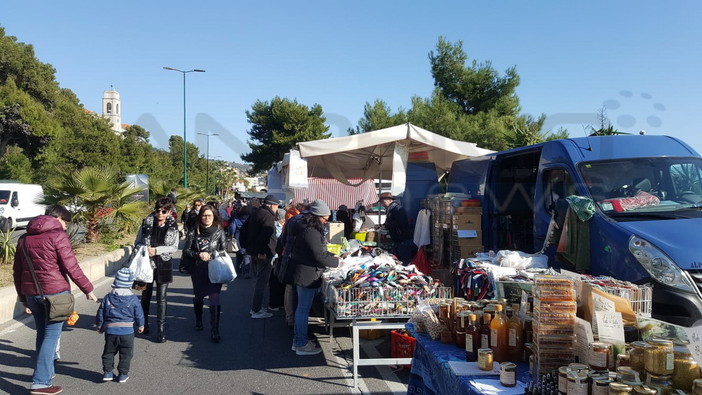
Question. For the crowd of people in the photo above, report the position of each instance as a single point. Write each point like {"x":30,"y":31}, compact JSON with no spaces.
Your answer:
{"x":282,"y":249}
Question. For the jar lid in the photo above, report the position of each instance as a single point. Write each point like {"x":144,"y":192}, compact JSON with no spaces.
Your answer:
{"x":663,"y":377}
{"x":639,"y":344}
{"x":619,"y":386}
{"x":508,"y":365}
{"x":644,"y":389}
{"x":660,"y":342}
{"x":679,"y":349}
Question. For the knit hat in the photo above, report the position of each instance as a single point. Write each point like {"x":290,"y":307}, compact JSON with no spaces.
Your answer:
{"x":271,"y":199}
{"x":319,"y":208}
{"x":123,"y":279}
{"x":280,"y":214}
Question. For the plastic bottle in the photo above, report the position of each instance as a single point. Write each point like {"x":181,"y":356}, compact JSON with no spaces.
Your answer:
{"x":72,"y":319}
{"x":472,"y":338}
{"x":498,"y":335}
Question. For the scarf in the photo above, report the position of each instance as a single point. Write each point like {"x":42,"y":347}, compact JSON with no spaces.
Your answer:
{"x":209,"y":231}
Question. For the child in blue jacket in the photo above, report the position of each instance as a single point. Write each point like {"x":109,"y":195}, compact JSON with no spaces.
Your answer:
{"x":118,"y":312}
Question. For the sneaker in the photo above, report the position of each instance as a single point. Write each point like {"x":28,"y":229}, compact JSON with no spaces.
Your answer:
{"x":108,"y":376}
{"x":261,"y":314}
{"x":294,"y":347}
{"x":263,"y":310}
{"x":122,"y":378}
{"x":54,"y":389}
{"x":308,"y":349}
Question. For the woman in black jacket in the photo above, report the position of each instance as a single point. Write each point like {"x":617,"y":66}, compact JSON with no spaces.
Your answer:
{"x":159,"y":233}
{"x":205,"y":240}
{"x":311,"y":258}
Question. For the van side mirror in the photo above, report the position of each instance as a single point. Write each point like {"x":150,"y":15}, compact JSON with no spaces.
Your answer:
{"x":14,"y":202}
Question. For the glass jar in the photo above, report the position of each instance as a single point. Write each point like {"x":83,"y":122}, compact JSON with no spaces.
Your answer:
{"x":600,"y":386}
{"x":578,"y":383}
{"x":637,"y":356}
{"x":685,"y":370}
{"x":508,"y":374}
{"x":462,"y":321}
{"x":697,"y":387}
{"x":563,"y":380}
{"x":444,"y":312}
{"x":460,"y":339}
{"x":658,"y":357}
{"x":623,"y":359}
{"x":662,"y":383}
{"x":485,"y":359}
{"x":619,"y":388}
{"x":599,"y":355}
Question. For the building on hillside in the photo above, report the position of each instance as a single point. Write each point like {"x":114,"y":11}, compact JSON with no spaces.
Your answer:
{"x":111,"y":109}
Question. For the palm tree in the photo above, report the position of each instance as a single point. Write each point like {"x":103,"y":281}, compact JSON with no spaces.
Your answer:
{"x":97,"y":197}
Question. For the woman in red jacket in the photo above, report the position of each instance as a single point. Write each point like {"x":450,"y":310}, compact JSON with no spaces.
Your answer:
{"x":47,"y":246}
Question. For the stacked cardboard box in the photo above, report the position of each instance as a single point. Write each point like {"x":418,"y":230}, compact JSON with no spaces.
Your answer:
{"x":466,"y":232}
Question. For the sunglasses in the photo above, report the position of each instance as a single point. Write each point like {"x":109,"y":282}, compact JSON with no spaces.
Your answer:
{"x":163,"y":211}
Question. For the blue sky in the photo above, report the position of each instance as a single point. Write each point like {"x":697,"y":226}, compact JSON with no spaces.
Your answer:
{"x":640,"y":59}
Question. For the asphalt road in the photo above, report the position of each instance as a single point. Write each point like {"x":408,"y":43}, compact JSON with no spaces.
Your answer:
{"x":254,"y":356}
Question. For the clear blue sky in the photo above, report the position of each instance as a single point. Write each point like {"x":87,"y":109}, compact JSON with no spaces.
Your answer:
{"x":641,"y":59}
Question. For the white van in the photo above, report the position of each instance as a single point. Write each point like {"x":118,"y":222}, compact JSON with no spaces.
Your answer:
{"x":19,"y":203}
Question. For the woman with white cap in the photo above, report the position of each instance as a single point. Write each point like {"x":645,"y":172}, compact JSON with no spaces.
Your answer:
{"x":311,"y":258}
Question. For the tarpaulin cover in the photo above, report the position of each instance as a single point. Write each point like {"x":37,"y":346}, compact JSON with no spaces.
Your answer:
{"x":334,"y":193}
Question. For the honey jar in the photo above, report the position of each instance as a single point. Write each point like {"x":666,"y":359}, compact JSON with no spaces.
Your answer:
{"x":659,"y":357}
{"x":485,"y":359}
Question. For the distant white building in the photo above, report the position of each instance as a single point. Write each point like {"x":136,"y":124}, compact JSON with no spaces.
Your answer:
{"x":111,"y":110}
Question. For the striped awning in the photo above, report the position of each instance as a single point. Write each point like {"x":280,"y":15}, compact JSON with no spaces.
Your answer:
{"x":334,"y":193}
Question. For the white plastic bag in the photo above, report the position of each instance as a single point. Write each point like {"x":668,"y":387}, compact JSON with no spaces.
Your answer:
{"x":221,"y":269}
{"x":141,"y":266}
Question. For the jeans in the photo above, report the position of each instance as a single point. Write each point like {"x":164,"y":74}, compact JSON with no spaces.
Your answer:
{"x":305,"y":297}
{"x":118,"y":344}
{"x":48,"y":335}
{"x":262,"y":272}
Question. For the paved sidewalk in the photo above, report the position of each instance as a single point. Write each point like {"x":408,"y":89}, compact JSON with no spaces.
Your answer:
{"x":254,"y":356}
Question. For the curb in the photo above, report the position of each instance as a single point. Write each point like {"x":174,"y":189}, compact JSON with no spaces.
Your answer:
{"x":95,"y":269}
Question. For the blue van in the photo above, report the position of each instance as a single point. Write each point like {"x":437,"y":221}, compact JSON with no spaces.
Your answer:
{"x":648,"y":209}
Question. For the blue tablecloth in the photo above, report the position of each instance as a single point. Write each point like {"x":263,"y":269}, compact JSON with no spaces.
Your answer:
{"x":431,"y":374}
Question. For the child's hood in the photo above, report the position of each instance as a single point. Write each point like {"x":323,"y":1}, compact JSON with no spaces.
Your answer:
{"x":122,"y":300}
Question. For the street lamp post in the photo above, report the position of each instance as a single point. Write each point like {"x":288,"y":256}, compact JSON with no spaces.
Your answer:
{"x":207,"y":155}
{"x":185,"y":141}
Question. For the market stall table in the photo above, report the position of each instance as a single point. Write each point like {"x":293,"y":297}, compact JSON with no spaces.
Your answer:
{"x":431,"y":372}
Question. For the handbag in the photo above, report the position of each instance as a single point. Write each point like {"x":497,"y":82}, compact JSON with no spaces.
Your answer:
{"x":220,"y":270}
{"x":233,"y":245}
{"x":58,"y":307}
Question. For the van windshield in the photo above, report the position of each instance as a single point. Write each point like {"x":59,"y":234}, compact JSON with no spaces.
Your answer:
{"x":662,"y":187}
{"x":4,"y":197}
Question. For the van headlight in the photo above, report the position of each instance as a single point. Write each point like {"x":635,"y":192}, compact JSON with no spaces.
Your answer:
{"x":658,"y":265}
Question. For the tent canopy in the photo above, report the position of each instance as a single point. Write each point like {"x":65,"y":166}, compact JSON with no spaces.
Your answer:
{"x":382,"y":153}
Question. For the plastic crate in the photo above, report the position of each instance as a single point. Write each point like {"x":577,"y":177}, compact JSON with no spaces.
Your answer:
{"x":401,"y":346}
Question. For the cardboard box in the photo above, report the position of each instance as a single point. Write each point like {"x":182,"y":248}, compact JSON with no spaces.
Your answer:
{"x":467,"y":221}
{"x":336,"y":232}
{"x":468,"y":251}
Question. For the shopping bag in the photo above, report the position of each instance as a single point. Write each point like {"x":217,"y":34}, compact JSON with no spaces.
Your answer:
{"x":140,"y":265}
{"x":233,"y":245}
{"x":421,"y":262}
{"x":221,"y":269}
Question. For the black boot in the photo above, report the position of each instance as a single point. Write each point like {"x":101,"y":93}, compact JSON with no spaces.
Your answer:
{"x":145,"y":307}
{"x":198,"y":314}
{"x":214,"y":321}
{"x":161,"y":319}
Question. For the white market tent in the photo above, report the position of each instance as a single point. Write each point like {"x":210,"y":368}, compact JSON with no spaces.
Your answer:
{"x":382,"y":153}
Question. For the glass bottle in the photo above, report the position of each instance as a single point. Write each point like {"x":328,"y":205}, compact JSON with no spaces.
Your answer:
{"x":485,"y":331}
{"x":515,"y":341}
{"x":659,"y":357}
{"x":498,"y":334}
{"x":472,"y":338}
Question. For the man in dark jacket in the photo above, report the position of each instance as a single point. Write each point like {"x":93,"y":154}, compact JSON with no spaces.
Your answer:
{"x":261,"y":241}
{"x":398,"y":226}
